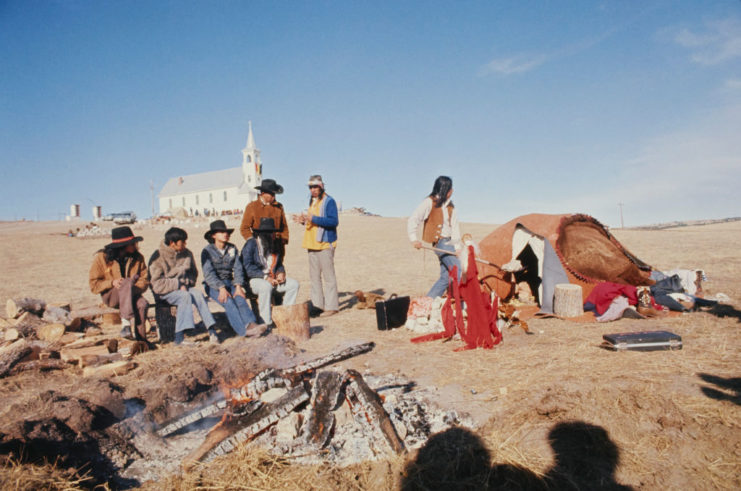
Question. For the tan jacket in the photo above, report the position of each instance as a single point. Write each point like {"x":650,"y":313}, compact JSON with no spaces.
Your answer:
{"x":257,"y":210}
{"x":170,"y":270}
{"x":102,"y":273}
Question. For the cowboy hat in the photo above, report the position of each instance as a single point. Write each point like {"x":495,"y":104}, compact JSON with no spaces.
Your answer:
{"x":216,"y":226}
{"x":122,"y":236}
{"x":270,"y":186}
{"x":267,"y":225}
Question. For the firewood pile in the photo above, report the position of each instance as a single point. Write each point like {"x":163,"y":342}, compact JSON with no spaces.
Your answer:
{"x":37,"y":335}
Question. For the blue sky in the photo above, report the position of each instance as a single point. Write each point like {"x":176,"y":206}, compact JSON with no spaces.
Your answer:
{"x":552,"y":107}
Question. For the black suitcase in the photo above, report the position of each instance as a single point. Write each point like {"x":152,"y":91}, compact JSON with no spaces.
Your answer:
{"x":642,"y":341}
{"x":392,"y":313}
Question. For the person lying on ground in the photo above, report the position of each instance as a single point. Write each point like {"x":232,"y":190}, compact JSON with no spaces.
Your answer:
{"x":223,"y":279}
{"x":173,"y":277}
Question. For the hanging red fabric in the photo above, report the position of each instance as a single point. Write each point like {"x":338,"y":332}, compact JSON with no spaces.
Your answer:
{"x":480,"y":330}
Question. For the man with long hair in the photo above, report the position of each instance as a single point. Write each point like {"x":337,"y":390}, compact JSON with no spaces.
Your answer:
{"x":119,"y":274}
{"x":262,"y":259}
{"x":440,"y":228}
{"x":320,"y":240}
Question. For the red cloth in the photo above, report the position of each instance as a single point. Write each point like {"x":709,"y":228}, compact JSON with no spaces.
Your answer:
{"x":604,"y":293}
{"x":480,"y":330}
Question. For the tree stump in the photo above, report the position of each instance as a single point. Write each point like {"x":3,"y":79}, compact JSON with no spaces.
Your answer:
{"x":292,"y":321}
{"x":164,"y":317}
{"x":567,"y":301}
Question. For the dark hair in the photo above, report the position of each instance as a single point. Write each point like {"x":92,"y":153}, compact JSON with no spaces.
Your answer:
{"x":270,"y":243}
{"x":175,"y":234}
{"x":440,"y":189}
{"x":321,"y":193}
{"x":113,"y":253}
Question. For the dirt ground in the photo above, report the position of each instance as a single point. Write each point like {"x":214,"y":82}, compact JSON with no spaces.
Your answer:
{"x":550,"y":409}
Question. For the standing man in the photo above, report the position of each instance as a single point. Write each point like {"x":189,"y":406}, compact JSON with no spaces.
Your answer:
{"x":265,"y":206}
{"x":119,"y":275}
{"x":174,"y":275}
{"x":320,"y":240}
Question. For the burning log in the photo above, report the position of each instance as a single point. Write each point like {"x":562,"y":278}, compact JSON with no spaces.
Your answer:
{"x":231,"y":432}
{"x":372,"y":408}
{"x":14,"y":307}
{"x":325,"y":397}
{"x":173,"y":425}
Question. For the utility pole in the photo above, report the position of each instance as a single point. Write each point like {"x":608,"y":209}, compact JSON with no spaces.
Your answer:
{"x":622,"y":224}
{"x":151,"y":192}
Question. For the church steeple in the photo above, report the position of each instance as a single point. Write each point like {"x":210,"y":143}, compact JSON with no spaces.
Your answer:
{"x":251,"y":162}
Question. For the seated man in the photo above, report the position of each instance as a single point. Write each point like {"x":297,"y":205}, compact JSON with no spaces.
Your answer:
{"x":223,"y":279}
{"x":262,"y":258}
{"x":173,"y":277}
{"x":119,"y":275}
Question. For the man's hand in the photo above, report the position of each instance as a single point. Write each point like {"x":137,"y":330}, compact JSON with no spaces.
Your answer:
{"x":280,"y":278}
{"x":239,"y":292}
{"x":223,"y":295}
{"x":417,"y":244}
{"x":184,"y":288}
{"x":117,"y":283}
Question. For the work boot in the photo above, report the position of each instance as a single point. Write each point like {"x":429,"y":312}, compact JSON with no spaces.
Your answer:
{"x":254,"y":329}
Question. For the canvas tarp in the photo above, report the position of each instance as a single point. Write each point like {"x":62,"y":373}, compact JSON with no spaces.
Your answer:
{"x":558,"y":249}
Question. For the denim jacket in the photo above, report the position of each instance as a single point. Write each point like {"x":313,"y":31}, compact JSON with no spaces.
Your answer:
{"x":218,"y":267}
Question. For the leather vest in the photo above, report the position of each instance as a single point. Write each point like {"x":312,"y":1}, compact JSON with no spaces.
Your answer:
{"x":434,"y":224}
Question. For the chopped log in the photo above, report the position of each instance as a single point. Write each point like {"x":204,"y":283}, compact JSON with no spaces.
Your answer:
{"x":27,"y":324}
{"x":70,"y":337}
{"x":75,"y":355}
{"x":374,"y":411}
{"x":16,"y":306}
{"x":112,"y":318}
{"x":11,"y":334}
{"x":110,"y":370}
{"x":12,"y":355}
{"x":325,"y":397}
{"x":90,"y":313}
{"x":97,"y":360}
{"x":42,"y":365}
{"x":55,"y":315}
{"x":91,"y":331}
{"x":5,"y":323}
{"x":292,"y":321}
{"x":224,"y":437}
{"x":568,"y":301}
{"x":50,"y":332}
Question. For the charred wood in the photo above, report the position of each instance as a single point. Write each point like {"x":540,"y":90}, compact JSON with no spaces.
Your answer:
{"x":325,"y":397}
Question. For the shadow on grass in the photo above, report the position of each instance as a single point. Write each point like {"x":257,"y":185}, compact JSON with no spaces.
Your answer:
{"x":457,"y":459}
{"x":722,"y":310}
{"x":731,"y":388}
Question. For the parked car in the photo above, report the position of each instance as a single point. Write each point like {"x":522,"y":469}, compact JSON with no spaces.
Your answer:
{"x":124,"y":217}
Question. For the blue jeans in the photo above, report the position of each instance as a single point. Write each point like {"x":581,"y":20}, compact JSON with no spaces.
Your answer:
{"x":447,"y":261}
{"x":264,"y":292}
{"x":184,"y":301}
{"x":237,"y":311}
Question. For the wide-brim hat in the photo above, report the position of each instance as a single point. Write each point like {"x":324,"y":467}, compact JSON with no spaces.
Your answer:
{"x":267,"y":225}
{"x":216,"y":226}
{"x":270,"y":186}
{"x":123,"y":236}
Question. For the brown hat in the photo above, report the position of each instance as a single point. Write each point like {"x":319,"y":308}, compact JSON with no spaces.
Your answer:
{"x":216,"y":226}
{"x":122,"y":236}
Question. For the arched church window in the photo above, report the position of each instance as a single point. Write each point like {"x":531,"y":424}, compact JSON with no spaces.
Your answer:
{"x":224,"y":195}
{"x":210,"y":197}
{"x":249,"y":158}
{"x":197,"y":199}
{"x":183,"y":200}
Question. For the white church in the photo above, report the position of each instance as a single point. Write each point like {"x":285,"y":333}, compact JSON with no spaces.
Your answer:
{"x":216,"y":191}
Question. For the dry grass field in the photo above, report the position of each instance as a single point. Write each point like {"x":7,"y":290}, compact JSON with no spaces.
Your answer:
{"x":552,"y":409}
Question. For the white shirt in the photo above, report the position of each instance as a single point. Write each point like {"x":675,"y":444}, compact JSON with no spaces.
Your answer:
{"x":450,"y":226}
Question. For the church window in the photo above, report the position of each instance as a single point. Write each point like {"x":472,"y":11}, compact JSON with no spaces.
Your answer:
{"x":210,"y":197}
{"x":224,"y":195}
{"x":183,"y":200}
{"x":197,"y":199}
{"x":171,"y":203}
{"x":249,"y":158}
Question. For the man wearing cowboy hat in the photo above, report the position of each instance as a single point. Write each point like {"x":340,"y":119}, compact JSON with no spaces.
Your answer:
{"x":223,"y":279}
{"x":262,"y":258}
{"x":265,"y":206}
{"x":119,"y":274}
